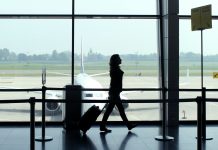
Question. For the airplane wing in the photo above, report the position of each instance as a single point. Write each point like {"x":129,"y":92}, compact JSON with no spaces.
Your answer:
{"x":58,"y":73}
{"x":98,"y":74}
{"x":65,"y":74}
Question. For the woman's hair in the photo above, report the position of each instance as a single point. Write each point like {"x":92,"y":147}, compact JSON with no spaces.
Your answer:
{"x":114,"y":60}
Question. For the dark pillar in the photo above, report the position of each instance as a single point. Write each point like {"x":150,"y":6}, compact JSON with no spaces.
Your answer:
{"x":170,"y":52}
{"x":71,"y":111}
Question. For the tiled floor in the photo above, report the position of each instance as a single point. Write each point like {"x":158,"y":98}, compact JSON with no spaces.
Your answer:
{"x":140,"y":138}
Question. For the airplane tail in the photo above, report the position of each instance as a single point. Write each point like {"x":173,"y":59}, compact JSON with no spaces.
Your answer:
{"x":187,"y":73}
{"x":82,"y":70}
{"x":81,"y":60}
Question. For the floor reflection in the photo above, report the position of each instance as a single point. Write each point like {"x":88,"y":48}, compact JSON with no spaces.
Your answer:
{"x":172,"y":132}
{"x":122,"y":145}
{"x":74,"y":140}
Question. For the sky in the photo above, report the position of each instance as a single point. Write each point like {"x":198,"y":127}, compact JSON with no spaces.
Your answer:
{"x":36,"y":36}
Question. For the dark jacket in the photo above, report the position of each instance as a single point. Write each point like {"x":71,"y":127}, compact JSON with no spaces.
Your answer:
{"x":116,"y":75}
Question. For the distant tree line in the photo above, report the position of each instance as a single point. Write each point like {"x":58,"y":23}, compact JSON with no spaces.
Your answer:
{"x":7,"y":56}
{"x":190,"y":56}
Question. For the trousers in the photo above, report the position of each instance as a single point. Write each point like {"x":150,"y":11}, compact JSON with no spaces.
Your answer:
{"x":114,"y":101}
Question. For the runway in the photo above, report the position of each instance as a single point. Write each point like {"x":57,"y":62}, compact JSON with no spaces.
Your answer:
{"x":135,"y":112}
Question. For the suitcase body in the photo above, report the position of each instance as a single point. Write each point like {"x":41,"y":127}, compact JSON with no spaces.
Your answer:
{"x":89,"y":118}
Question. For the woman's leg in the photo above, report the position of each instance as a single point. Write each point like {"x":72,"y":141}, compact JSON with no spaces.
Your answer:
{"x":123,"y":115}
{"x":107,"y":113}
{"x":122,"y":112}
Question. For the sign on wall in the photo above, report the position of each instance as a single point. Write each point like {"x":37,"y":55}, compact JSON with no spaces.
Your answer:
{"x":201,"y":18}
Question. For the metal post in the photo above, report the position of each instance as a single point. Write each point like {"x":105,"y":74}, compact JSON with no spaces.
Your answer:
{"x":73,"y":43}
{"x":203,"y":92}
{"x":43,"y":138}
{"x":43,"y":112}
{"x":203,"y":113}
{"x":164,"y":137}
{"x":199,"y":123}
{"x":202,"y":61}
{"x":204,"y":134}
{"x":32,"y":123}
{"x":164,"y":114}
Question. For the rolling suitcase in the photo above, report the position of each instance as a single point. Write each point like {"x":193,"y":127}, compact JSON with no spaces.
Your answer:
{"x":89,"y":118}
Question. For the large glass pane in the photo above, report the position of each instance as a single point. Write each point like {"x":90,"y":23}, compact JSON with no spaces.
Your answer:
{"x":185,"y":6}
{"x":136,"y":42}
{"x":36,"y":7}
{"x":190,"y":75}
{"x":116,"y":7}
{"x":27,"y":46}
{"x":190,"y":67}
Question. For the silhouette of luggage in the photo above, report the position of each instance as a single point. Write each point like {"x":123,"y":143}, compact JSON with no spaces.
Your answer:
{"x":89,"y":118}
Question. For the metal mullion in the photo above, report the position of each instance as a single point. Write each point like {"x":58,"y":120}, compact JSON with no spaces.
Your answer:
{"x":189,"y":17}
{"x":73,"y":42}
{"x":33,"y":16}
{"x":103,"y":16}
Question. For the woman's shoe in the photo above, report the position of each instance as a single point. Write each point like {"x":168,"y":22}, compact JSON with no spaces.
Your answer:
{"x":131,"y":126}
{"x":104,"y":129}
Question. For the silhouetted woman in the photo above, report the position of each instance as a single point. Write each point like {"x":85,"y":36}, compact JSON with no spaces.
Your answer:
{"x":115,"y":89}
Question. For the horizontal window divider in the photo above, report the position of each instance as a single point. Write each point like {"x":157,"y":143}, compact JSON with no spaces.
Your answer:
{"x":35,"y":16}
{"x":211,"y":90}
{"x":211,"y":99}
{"x":15,"y":101}
{"x":108,"y":101}
{"x":184,"y":16}
{"x":125,"y":89}
{"x":117,"y":16}
{"x":20,"y":90}
{"x":105,"y":89}
{"x":185,"y":100}
{"x":51,"y":100}
{"x":215,"y":17}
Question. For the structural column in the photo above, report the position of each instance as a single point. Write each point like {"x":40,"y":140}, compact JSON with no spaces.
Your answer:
{"x":170,"y":56}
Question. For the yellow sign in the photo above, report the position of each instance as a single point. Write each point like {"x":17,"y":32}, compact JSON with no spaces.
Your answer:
{"x":201,"y":18}
{"x":215,"y":74}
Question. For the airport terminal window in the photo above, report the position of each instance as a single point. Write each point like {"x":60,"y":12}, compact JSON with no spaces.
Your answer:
{"x":28,"y":45}
{"x":190,"y":63}
{"x":190,"y":67}
{"x":136,"y":41}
